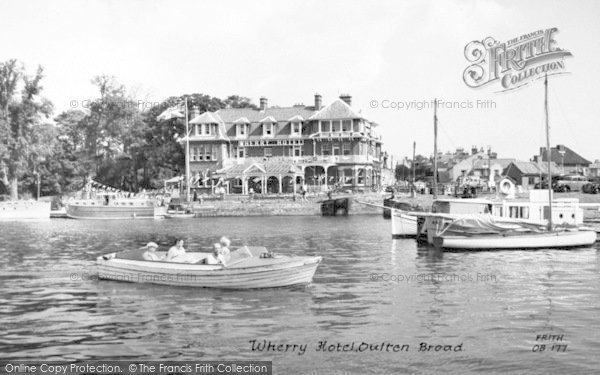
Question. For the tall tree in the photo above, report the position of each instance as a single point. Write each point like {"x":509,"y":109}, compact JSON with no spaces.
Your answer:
{"x":20,"y":116}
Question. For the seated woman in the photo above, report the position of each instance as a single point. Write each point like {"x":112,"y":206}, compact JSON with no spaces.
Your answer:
{"x":225,"y":243}
{"x":217,"y":257}
{"x":150,"y":253}
{"x":175,"y":251}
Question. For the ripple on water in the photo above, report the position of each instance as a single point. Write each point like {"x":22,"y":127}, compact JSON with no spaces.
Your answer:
{"x":46,"y":314}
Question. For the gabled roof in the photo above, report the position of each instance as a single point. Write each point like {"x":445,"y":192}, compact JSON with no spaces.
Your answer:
{"x":338,"y":110}
{"x":485,"y":163}
{"x":268,"y":119}
{"x":266,"y":167}
{"x":206,"y":118}
{"x":570,"y":156}
{"x":242,"y":120}
{"x":296,"y":118}
{"x":531,"y":168}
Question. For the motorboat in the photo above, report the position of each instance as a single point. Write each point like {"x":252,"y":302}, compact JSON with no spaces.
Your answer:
{"x":246,"y":268}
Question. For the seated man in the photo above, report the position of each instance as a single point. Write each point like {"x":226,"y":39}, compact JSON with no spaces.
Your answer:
{"x":175,"y":251}
{"x":150,"y":253}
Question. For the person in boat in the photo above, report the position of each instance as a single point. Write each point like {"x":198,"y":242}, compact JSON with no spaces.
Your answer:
{"x":150,"y":253}
{"x":217,"y":257}
{"x":225,"y":244}
{"x":175,"y":251}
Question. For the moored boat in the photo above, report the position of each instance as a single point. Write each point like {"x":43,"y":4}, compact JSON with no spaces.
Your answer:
{"x":179,"y":215}
{"x":117,"y":208}
{"x":403,"y":224}
{"x":24,"y":210}
{"x":486,"y":232}
{"x":242,"y":273}
{"x":516,"y":240}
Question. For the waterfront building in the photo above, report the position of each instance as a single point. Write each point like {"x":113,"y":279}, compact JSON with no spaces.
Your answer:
{"x":570,"y":162}
{"x":528,"y":174}
{"x":281,"y":149}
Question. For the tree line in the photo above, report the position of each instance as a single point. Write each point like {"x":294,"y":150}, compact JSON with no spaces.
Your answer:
{"x":113,"y":141}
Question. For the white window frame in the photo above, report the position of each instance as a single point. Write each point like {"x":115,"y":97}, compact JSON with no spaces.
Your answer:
{"x":297,"y":132}
{"x":346,"y":147}
{"x":207,"y":129}
{"x":300,"y":150}
{"x":268,"y":125}
{"x":240,"y":151}
{"x":241,"y":131}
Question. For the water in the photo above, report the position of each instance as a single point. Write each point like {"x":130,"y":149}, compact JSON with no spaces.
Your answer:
{"x":494,"y":303}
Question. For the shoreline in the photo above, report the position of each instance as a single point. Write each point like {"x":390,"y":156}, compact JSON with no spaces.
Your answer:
{"x":286,"y":206}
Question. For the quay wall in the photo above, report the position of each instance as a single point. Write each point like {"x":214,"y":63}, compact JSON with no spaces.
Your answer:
{"x":281,"y":207}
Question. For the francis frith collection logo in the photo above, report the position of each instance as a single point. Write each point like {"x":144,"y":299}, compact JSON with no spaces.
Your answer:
{"x":514,"y":63}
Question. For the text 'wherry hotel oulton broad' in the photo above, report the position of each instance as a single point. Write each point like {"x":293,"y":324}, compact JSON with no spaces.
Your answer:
{"x":279,"y":149}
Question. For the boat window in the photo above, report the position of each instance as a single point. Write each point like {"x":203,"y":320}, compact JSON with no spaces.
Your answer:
{"x":131,"y":203}
{"x":560,"y":216}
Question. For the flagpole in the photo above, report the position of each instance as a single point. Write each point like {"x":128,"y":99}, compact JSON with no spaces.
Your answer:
{"x":187,"y":154}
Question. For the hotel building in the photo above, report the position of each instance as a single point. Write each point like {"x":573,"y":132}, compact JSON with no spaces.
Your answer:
{"x":280,"y":149}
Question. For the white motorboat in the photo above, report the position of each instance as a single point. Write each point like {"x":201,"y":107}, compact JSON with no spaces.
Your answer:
{"x":245,"y":270}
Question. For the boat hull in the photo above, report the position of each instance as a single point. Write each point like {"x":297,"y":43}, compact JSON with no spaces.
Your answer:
{"x":403,"y":225}
{"x":112,"y":211}
{"x":24,"y":210}
{"x":562,"y":240}
{"x":262,"y":273}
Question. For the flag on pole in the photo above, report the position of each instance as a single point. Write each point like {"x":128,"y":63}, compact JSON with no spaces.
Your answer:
{"x":170,"y":113}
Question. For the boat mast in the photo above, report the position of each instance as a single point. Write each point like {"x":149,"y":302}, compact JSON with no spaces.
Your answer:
{"x":435,"y":148}
{"x":187,"y":154}
{"x":413,"y":190}
{"x":548,"y":153}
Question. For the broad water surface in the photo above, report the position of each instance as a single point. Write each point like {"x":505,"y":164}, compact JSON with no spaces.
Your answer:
{"x":491,"y":309}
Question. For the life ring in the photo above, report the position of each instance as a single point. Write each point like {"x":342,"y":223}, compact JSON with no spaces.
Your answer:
{"x":507,"y":187}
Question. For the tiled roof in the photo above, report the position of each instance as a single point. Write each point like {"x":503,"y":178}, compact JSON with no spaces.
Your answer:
{"x":339,"y":109}
{"x":485,"y":163}
{"x":532,"y":168}
{"x":229,"y":115}
{"x":570,"y":156}
{"x":271,"y":167}
{"x":268,"y":119}
{"x":206,"y":118}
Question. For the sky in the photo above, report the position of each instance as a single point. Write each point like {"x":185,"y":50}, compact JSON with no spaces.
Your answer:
{"x":377,"y":51}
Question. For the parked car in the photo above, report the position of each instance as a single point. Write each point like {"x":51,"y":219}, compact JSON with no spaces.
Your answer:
{"x":592,"y":187}
{"x":572,"y":182}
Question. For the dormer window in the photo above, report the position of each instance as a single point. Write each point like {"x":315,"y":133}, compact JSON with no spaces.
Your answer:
{"x":296,"y":128}
{"x":268,"y":129}
{"x":240,"y":130}
{"x":202,"y":129}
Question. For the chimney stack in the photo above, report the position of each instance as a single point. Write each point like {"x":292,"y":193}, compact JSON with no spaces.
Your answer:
{"x":263,"y":103}
{"x":347,"y":98}
{"x":318,"y":102}
{"x":195,"y":112}
{"x":473,"y":150}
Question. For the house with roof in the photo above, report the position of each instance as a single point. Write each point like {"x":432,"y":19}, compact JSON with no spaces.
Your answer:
{"x":528,"y":173}
{"x":569,"y":161}
{"x":279,"y":149}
